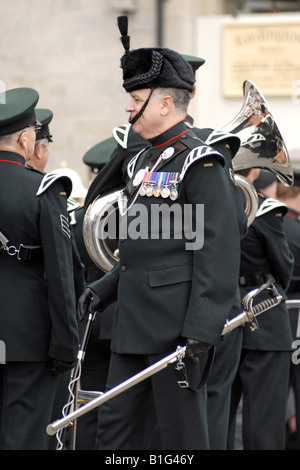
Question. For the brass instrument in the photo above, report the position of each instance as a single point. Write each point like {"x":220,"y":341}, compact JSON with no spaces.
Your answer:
{"x":262,"y":145}
{"x":102,"y":250}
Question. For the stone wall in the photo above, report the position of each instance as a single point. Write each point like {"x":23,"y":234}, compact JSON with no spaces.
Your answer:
{"x":69,"y":50}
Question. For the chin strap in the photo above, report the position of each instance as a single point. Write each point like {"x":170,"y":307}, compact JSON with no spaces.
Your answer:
{"x":138,"y":115}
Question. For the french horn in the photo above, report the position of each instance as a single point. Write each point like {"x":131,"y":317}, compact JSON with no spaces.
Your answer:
{"x":262,"y":146}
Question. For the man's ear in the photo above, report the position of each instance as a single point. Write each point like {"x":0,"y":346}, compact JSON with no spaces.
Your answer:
{"x":22,"y":140}
{"x":194,"y":91}
{"x":37,"y":149}
{"x":166,"y":104}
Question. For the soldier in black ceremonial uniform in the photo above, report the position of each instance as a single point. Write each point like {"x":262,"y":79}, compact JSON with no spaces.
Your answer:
{"x":41,"y":152}
{"x":38,"y":308}
{"x":291,"y":198}
{"x":39,"y":161}
{"x":172,"y":288}
{"x":109,"y":159}
{"x":113,"y":176}
{"x":263,"y":374}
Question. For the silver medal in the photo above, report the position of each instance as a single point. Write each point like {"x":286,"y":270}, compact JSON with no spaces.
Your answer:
{"x":139,"y":177}
{"x":165,"y":192}
{"x":143,"y":190}
{"x":173,"y":194}
{"x":150,"y":191}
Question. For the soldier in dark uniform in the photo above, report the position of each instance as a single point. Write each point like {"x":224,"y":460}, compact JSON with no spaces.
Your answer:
{"x":168,"y":293}
{"x":39,"y":161}
{"x":37,"y":309}
{"x":40,"y":156}
{"x":109,"y":159}
{"x":291,"y":198}
{"x":263,"y":374}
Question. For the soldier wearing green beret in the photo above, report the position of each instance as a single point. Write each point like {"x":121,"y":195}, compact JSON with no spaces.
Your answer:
{"x":290,"y":196}
{"x":41,"y":150}
{"x":37,"y":309}
{"x":263,"y":373}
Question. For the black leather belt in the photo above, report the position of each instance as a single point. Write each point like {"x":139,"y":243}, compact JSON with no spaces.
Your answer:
{"x":24,"y":252}
{"x":255,"y":279}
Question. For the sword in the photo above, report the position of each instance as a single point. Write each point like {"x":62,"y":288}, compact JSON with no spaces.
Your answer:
{"x":247,"y":316}
{"x":250,"y":313}
{"x":74,"y":382}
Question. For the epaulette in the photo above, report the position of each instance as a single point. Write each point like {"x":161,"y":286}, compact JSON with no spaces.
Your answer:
{"x":50,"y":178}
{"x":72,"y":205}
{"x":197,"y":154}
{"x":132,"y":163}
{"x":219,"y":136}
{"x":270,"y":204}
{"x":121,"y":133}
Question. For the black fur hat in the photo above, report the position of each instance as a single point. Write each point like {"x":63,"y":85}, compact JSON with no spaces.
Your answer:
{"x":153,"y":67}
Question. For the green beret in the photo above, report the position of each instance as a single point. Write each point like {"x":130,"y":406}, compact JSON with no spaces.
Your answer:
{"x":266,"y":177}
{"x":44,"y":116}
{"x":195,"y":62}
{"x":17,"y":109}
{"x":97,"y":156}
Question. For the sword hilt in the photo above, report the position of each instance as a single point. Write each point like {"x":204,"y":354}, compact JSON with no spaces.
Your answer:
{"x":250,"y":313}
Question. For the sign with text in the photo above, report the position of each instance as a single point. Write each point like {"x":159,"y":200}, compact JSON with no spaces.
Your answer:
{"x":267,"y":54}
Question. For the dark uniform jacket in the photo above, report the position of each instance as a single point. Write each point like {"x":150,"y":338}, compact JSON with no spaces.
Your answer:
{"x":265,"y":251}
{"x":37,"y":306}
{"x":165,"y":291}
{"x":292,"y":230}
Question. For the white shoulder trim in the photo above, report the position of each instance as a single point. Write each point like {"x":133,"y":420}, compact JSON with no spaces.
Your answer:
{"x":218,"y":136}
{"x":120,"y":134}
{"x":196,"y":154}
{"x":268,"y":205}
{"x":47,"y":180}
{"x":72,"y":204}
{"x":132,"y":163}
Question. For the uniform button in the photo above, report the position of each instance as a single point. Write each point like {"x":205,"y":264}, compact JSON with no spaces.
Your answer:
{"x":123,"y":268}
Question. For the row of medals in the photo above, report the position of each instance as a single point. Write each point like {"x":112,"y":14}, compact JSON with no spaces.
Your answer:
{"x":149,"y":189}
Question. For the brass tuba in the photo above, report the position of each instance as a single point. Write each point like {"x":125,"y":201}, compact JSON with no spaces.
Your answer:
{"x":262,"y":146}
{"x":99,"y":221}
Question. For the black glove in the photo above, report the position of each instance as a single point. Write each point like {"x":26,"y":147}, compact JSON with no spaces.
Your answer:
{"x":88,"y":302}
{"x":194,"y":349}
{"x":58,"y":367}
